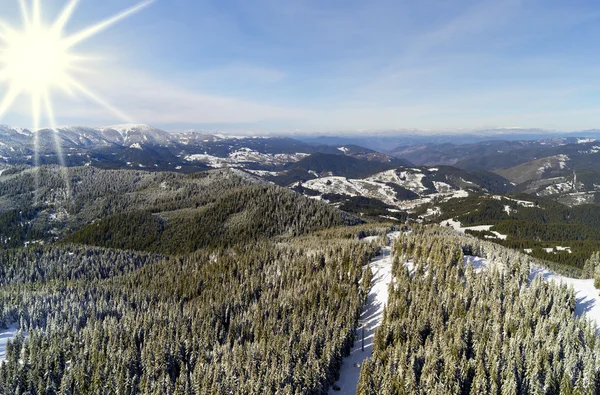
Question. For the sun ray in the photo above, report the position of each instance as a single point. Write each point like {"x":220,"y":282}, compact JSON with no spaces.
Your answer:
{"x":13,"y":92}
{"x":37,"y":58}
{"x":25,"y":13}
{"x":65,"y":16}
{"x":6,"y":32}
{"x":87,"y":33}
{"x":35,"y":109}
{"x":36,"y":14}
{"x":59,"y":151}
{"x":91,"y":95}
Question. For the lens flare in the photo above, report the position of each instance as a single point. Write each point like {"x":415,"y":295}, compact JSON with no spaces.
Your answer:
{"x":39,"y":58}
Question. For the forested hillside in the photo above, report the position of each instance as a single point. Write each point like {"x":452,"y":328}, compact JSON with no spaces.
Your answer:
{"x":160,"y":212}
{"x":537,"y":225}
{"x":218,"y":282}
{"x":263,"y":318}
{"x":452,"y":330}
{"x":244,"y":215}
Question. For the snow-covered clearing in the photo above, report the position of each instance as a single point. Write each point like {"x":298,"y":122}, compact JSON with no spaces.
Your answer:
{"x":2,"y":171}
{"x":7,"y":335}
{"x":481,"y":228}
{"x":523,"y":203}
{"x":478,"y":263}
{"x":370,"y":318}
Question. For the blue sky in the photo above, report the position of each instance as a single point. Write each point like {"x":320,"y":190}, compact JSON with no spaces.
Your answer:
{"x":284,"y":66}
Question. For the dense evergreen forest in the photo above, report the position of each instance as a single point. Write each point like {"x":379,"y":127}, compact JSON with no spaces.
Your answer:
{"x":536,"y":225}
{"x":272,"y":317}
{"x":451,"y":330}
{"x":134,"y":282}
{"x":161,"y":283}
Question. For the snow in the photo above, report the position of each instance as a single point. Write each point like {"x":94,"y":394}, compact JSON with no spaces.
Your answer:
{"x":442,"y":187}
{"x":136,"y":146}
{"x":458,"y":226}
{"x":561,"y":161}
{"x":480,"y":228}
{"x":411,"y":179}
{"x":2,"y":171}
{"x":371,"y":318}
{"x":7,"y":335}
{"x":262,"y":173}
{"x":243,"y":156}
{"x":585,"y":140}
{"x":350,"y":187}
{"x":499,"y":235}
{"x":434,"y":169}
{"x":479,"y":264}
{"x":523,"y":203}
{"x":124,"y":129}
{"x":586,"y":295}
{"x":343,"y":149}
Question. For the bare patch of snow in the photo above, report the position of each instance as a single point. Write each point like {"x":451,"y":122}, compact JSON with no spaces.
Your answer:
{"x":7,"y":335}
{"x":479,"y":264}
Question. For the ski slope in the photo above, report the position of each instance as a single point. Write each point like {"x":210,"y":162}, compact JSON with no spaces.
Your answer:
{"x":370,"y":317}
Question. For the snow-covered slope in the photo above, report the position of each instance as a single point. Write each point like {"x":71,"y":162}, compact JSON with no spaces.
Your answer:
{"x":403,"y":188}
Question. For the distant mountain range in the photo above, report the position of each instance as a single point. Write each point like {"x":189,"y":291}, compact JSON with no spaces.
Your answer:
{"x":409,"y":172}
{"x":143,"y":146}
{"x":388,"y":141}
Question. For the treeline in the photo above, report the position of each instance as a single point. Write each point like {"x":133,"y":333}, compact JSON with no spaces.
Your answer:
{"x":450,"y":330}
{"x":261,"y":318}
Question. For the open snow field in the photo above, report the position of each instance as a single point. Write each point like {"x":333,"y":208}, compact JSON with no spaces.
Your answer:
{"x":371,"y":317}
{"x":458,"y":226}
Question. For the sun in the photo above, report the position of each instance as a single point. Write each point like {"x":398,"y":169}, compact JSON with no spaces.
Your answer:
{"x":38,"y":58}
{"x":35,"y":60}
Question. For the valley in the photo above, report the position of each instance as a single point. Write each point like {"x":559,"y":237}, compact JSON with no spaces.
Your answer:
{"x":257,"y":269}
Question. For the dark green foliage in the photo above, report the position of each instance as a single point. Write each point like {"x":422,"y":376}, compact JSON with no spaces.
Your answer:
{"x":401,"y":192}
{"x":39,"y":265}
{"x":547,"y":224}
{"x":16,"y":227}
{"x":254,"y":319}
{"x":244,"y":215}
{"x":450,"y":330}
